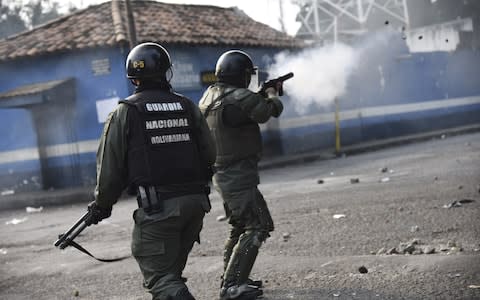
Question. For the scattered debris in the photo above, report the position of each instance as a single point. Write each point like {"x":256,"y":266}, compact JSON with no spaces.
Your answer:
{"x":7,"y":192}
{"x":354,"y":180}
{"x":286,"y":236}
{"x":385,"y":179}
{"x":30,"y":209}
{"x":428,"y":250}
{"x":363,"y":270}
{"x":221,"y":218}
{"x":473,"y":286}
{"x":16,"y":221}
{"x":320,"y":181}
{"x":414,"y":248}
{"x":392,"y":251}
{"x":3,"y":251}
{"x":382,"y":251}
{"x":408,"y":247}
{"x":339,"y":216}
{"x":458,"y":203}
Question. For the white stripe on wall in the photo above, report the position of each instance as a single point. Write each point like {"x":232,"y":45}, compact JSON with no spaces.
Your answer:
{"x":19,"y":155}
{"x":90,"y":146}
{"x":376,"y":111}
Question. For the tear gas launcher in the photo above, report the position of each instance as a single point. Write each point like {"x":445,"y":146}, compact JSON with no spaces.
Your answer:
{"x":276,"y":83}
{"x":66,"y":239}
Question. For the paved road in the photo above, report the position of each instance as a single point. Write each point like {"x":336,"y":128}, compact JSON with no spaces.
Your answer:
{"x":311,"y":255}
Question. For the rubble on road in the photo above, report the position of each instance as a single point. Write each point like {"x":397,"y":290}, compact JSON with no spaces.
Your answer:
{"x":385,"y":179}
{"x":363,"y":270}
{"x":415,"y":247}
{"x":354,"y":180}
{"x":16,"y":221}
{"x":458,"y":203}
{"x":30,"y":209}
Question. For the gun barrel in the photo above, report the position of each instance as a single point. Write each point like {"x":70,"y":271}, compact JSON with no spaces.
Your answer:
{"x":64,"y":236}
{"x":286,"y":76}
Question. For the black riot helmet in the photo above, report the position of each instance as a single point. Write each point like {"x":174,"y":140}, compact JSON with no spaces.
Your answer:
{"x":235,"y":67}
{"x":148,"y":61}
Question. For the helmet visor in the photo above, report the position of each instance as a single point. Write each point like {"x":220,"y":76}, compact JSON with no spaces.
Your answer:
{"x":254,"y":81}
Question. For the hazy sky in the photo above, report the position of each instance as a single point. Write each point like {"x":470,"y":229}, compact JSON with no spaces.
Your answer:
{"x":265,"y":11}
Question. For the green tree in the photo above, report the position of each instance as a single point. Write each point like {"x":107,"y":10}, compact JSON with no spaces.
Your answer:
{"x":17,"y":16}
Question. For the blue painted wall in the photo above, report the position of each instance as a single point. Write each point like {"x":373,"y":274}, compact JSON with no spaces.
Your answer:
{"x":409,"y":78}
{"x":81,"y":115}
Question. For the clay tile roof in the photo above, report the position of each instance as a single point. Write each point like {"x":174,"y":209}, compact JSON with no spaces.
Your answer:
{"x":32,"y":88}
{"x":105,"y":25}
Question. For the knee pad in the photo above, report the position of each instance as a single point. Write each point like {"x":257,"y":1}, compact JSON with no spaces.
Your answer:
{"x":257,"y":237}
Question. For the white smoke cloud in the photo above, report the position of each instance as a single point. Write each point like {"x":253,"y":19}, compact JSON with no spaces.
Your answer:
{"x":322,"y":73}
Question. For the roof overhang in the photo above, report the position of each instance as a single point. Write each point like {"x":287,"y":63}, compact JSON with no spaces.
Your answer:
{"x":38,"y":93}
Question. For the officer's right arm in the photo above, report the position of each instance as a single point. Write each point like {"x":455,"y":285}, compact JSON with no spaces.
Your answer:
{"x":258,"y":108}
{"x":111,"y":159}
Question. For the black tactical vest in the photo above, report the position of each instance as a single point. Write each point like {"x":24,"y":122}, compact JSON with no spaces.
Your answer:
{"x":162,"y":145}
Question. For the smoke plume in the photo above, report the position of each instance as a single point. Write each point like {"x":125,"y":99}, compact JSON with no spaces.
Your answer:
{"x":322,"y":73}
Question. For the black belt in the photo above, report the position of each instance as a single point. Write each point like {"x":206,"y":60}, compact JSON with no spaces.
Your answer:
{"x":151,"y":198}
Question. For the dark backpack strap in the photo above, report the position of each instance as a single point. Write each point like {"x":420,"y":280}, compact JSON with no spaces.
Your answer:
{"x":210,"y":106}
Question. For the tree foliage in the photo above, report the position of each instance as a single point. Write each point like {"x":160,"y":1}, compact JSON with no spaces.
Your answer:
{"x":17,"y":16}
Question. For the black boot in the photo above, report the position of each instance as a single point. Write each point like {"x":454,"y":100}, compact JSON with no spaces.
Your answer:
{"x":242,"y":292}
{"x":183,"y":294}
{"x":256,"y":283}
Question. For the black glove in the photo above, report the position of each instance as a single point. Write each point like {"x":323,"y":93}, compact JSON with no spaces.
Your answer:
{"x":97,"y":213}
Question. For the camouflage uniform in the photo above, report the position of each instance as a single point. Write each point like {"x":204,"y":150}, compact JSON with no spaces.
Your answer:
{"x":161,"y":241}
{"x":233,"y":115}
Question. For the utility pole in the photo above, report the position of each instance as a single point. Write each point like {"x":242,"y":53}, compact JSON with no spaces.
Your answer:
{"x":132,"y":34}
{"x":281,"y":19}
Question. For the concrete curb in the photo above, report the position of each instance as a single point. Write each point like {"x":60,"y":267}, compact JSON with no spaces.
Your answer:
{"x":85,"y":194}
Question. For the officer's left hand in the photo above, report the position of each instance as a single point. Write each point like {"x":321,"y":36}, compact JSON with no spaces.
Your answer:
{"x":97,"y":213}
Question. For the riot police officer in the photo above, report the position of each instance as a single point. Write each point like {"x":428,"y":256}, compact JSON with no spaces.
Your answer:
{"x":157,"y":144}
{"x":233,"y":113}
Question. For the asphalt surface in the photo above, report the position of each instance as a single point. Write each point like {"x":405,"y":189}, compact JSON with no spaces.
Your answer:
{"x":332,"y":217}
